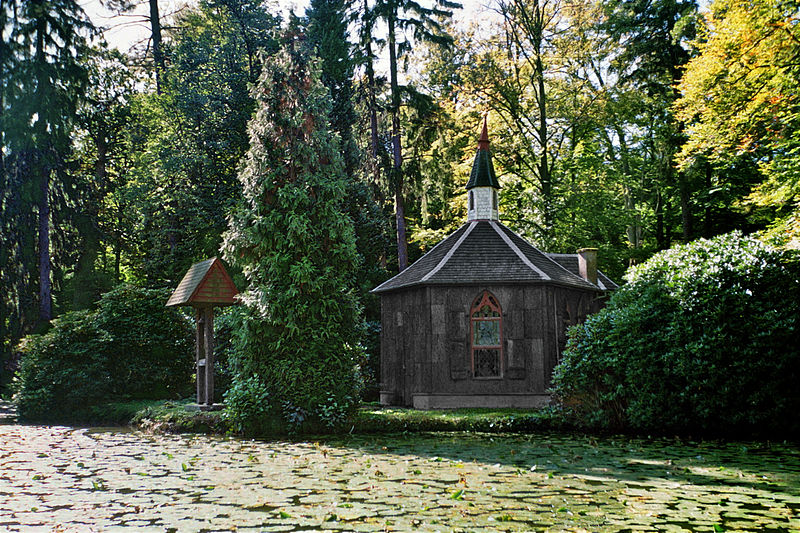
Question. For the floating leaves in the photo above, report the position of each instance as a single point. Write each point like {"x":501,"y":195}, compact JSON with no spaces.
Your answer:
{"x":578,"y":484}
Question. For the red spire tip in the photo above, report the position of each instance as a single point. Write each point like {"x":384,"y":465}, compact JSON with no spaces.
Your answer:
{"x":483,"y":141}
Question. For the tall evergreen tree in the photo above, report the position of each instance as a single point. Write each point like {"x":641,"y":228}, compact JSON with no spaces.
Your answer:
{"x":327,"y":33}
{"x":298,"y":342}
{"x":45,"y":81}
{"x":407,"y":21}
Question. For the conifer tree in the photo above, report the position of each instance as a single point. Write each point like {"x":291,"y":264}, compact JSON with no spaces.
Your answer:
{"x":298,"y":340}
{"x":327,"y":31}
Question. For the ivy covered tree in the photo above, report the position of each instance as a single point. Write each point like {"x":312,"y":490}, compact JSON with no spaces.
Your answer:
{"x":297,"y":347}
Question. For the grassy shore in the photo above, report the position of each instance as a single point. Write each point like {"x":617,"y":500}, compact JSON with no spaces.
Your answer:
{"x":369,"y":419}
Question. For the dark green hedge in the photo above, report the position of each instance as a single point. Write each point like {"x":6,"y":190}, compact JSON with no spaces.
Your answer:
{"x":703,"y":338}
{"x":130,"y":347}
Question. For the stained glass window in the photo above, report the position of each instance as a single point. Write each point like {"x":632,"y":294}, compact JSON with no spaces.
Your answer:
{"x":486,"y":340}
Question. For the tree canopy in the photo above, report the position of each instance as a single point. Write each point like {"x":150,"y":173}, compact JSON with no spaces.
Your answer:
{"x":332,"y":149}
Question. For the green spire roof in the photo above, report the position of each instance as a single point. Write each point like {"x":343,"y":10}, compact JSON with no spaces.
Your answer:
{"x":482,"y":174}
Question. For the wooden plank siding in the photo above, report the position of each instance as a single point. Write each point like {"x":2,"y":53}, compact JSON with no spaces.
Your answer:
{"x":425,"y":345}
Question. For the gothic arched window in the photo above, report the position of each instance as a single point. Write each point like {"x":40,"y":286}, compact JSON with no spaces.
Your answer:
{"x":486,"y":337}
{"x":471,"y":201}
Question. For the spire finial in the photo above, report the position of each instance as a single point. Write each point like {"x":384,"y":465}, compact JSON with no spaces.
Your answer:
{"x":483,"y":141}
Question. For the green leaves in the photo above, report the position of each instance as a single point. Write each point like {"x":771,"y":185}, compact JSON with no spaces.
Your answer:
{"x":702,"y":338}
{"x":296,"y":343}
{"x":740,"y":102}
{"x":457,"y":495}
{"x":131,"y":345}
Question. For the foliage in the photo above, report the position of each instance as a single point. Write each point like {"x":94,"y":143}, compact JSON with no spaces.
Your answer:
{"x":43,"y":73}
{"x":130,"y":347}
{"x":300,"y":330}
{"x":247,"y":405}
{"x":395,"y":420}
{"x":327,"y":32}
{"x":741,"y":101}
{"x":185,"y":143}
{"x":174,"y":417}
{"x":703,"y":337}
{"x":407,"y":22}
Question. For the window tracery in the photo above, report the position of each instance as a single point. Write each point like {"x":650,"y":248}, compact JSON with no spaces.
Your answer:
{"x":486,"y":337}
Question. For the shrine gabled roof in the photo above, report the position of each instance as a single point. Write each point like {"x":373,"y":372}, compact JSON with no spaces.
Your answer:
{"x":205,"y":283}
{"x":484,"y":251}
{"x":570,"y":262}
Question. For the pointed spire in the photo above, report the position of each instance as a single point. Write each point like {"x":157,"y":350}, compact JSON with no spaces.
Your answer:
{"x":482,"y":174}
{"x":483,"y":142}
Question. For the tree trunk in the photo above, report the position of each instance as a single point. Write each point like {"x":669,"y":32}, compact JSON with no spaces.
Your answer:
{"x":42,"y":167}
{"x":397,"y":158}
{"x":158,"y":57}
{"x":45,"y":288}
{"x":707,"y":219}
{"x":544,"y":165}
{"x":686,"y":213}
{"x":661,"y":240}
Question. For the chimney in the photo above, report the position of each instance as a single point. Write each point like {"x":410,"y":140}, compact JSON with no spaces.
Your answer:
{"x":587,"y":264}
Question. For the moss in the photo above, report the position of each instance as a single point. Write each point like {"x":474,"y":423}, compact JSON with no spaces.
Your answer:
{"x":174,"y":417}
{"x":177,"y":417}
{"x":372,"y":419}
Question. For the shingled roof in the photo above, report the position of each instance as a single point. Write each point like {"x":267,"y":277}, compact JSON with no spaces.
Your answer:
{"x":484,"y":251}
{"x":570,"y":262}
{"x":206,"y":283}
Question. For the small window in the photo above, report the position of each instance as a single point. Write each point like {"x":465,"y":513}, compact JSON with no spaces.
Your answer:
{"x":494,"y":200}
{"x":486,"y":337}
{"x":471,"y":201}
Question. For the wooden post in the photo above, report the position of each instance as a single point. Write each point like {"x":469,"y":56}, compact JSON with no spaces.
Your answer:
{"x":205,"y":285}
{"x":209,"y":341}
{"x":200,"y":355}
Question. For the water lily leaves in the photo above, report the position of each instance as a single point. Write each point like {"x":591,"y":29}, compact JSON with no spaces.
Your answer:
{"x":428,"y":482}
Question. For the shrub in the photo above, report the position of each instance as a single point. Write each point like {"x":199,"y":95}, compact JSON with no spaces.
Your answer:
{"x":130,"y":347}
{"x":703,"y":337}
{"x":247,"y":405}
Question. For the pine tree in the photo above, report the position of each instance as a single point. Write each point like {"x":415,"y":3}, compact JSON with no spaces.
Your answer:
{"x":327,"y":31}
{"x":298,"y":340}
{"x":43,"y":77}
{"x":406,"y":18}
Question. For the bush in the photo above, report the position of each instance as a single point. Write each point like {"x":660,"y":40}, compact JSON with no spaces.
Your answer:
{"x":704,"y":337}
{"x":247,"y":405}
{"x":131,"y":347}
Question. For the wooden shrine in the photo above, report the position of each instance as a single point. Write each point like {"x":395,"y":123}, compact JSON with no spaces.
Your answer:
{"x":206,"y":285}
{"x":481,"y":319}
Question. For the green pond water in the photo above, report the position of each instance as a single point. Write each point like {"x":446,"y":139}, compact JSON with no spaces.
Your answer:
{"x":65,"y":479}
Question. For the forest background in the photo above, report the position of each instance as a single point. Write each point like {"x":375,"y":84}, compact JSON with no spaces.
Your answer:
{"x":623,"y":125}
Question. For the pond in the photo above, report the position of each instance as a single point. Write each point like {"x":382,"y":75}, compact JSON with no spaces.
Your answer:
{"x":66,"y":479}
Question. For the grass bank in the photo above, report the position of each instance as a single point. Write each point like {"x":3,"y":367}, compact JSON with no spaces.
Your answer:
{"x":175,"y":417}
